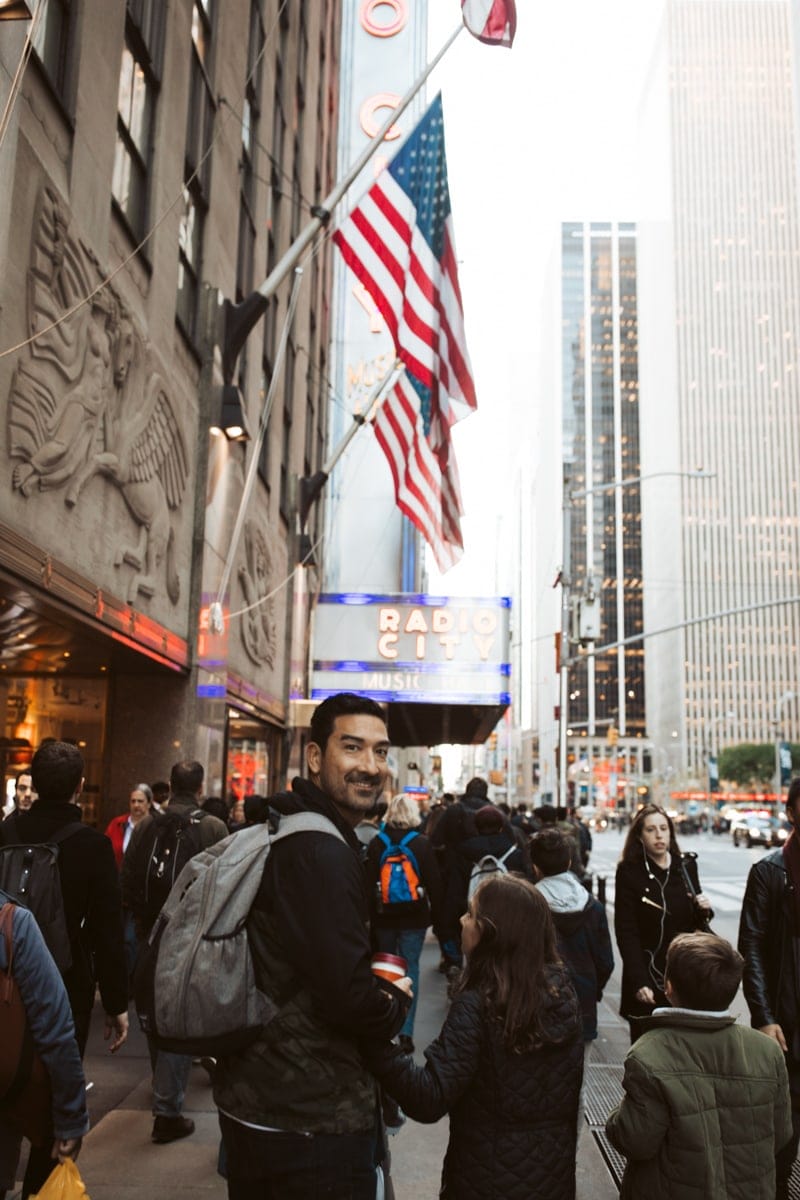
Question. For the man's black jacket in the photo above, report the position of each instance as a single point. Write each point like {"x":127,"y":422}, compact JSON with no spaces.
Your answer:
{"x":92,"y":903}
{"x":309,"y":938}
{"x":766,"y":942}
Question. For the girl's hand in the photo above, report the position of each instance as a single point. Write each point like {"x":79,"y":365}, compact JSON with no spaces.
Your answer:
{"x":703,"y":901}
{"x":645,"y":996}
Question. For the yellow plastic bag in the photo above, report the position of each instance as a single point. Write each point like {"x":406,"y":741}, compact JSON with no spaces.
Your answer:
{"x":63,"y":1183}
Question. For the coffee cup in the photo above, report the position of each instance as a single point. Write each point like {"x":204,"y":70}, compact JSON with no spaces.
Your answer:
{"x":389,"y":966}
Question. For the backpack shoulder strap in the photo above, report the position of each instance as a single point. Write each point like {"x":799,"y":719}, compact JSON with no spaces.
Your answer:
{"x":6,"y":933}
{"x":384,"y":837}
{"x":404,"y":845}
{"x":507,"y":854}
{"x":66,"y":831}
{"x":306,"y":822}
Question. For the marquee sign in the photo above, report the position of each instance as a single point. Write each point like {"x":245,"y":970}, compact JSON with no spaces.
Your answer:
{"x":412,"y":647}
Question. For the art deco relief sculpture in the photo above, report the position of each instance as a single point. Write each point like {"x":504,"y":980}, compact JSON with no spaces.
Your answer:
{"x":259,"y":632}
{"x":88,"y":401}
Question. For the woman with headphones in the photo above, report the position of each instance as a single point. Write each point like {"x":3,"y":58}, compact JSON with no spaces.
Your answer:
{"x":657,"y":896}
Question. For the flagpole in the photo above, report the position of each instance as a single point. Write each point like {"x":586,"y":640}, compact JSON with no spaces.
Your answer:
{"x":311,"y":486}
{"x":240,"y":318}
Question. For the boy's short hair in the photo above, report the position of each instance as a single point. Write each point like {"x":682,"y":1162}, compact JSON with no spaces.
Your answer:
{"x":551,"y":852}
{"x":704,"y":970}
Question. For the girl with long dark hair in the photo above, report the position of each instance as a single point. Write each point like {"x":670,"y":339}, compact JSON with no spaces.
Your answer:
{"x":657,"y":896}
{"x":508,"y":1063}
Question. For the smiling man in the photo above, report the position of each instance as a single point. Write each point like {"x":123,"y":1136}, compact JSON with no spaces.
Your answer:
{"x":298,"y":1109}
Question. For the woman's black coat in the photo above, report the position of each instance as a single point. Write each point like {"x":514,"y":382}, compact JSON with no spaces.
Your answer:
{"x":513,"y":1117}
{"x":650,"y":908}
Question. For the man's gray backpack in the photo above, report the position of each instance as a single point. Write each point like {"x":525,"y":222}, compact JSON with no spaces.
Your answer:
{"x":485,"y":867}
{"x":195,"y":983}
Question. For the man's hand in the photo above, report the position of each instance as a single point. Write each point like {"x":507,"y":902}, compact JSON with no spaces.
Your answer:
{"x":776,"y":1033}
{"x":645,"y":996}
{"x":406,"y":986}
{"x":703,"y":901}
{"x":64,"y":1148}
{"x":118,"y":1027}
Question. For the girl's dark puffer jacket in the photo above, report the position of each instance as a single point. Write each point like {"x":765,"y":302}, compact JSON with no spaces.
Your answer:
{"x":513,"y":1117}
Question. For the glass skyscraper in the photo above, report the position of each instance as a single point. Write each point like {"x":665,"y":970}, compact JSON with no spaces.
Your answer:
{"x":600,"y":451}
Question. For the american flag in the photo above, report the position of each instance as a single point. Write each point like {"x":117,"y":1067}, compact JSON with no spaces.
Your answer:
{"x":399,"y":242}
{"x":492,"y":21}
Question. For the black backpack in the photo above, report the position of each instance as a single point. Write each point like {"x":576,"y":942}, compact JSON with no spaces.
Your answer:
{"x":174,"y":839}
{"x":29,"y":875}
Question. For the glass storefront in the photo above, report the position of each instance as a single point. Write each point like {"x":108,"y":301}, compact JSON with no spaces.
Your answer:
{"x":67,"y":708}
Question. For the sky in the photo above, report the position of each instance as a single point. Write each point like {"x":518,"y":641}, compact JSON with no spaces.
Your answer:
{"x":536,"y":135}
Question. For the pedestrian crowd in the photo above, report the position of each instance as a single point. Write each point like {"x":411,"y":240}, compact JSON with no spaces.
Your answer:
{"x":306,"y":1031}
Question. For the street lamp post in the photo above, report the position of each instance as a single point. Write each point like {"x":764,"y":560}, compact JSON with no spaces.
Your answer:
{"x":565,"y":580}
{"x":786,"y":698}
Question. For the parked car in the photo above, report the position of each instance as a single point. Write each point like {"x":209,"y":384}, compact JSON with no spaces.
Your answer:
{"x":752,"y":829}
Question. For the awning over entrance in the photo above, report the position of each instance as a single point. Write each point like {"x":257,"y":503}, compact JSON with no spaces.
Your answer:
{"x":52,"y":617}
{"x":442,"y":724}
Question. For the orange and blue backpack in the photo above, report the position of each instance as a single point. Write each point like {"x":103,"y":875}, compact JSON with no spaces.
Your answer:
{"x":400,"y":890}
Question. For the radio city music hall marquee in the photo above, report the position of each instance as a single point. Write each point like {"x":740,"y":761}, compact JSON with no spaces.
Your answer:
{"x":418,"y":648}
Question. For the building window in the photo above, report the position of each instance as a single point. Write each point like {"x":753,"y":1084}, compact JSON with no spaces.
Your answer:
{"x":196,"y":169}
{"x":189,"y":255}
{"x":138,"y":90}
{"x":51,"y":43}
{"x":247,"y":164}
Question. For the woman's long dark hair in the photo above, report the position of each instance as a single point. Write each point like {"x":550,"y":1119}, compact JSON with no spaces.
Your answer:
{"x":632,"y":850}
{"x":508,"y":965}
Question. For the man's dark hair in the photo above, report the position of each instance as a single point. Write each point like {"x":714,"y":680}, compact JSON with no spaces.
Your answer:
{"x":160,"y":790}
{"x":704,"y":970}
{"x":19,"y":774}
{"x":186,"y":777}
{"x":477,"y":787}
{"x":216,"y":806}
{"x":56,"y":772}
{"x":256,"y":809}
{"x":551,"y":852}
{"x":546,"y":814}
{"x":793,"y":795}
{"x":344,"y":704}
{"x":448,"y":798}
{"x":489,"y":819}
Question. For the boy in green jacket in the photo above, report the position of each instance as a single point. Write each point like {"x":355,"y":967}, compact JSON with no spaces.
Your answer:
{"x":706,"y":1105}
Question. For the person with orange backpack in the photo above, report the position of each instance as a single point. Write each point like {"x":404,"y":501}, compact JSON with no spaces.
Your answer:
{"x":406,"y":893}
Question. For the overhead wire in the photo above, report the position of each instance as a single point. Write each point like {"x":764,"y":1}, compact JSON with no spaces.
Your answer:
{"x":219,"y":127}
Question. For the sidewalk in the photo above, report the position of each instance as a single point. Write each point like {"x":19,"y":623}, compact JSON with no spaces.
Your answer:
{"x":118,"y":1161}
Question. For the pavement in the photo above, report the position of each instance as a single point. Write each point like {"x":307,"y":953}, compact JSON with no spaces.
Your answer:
{"x":118,"y":1161}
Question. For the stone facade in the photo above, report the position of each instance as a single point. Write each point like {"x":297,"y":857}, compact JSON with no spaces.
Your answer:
{"x":159,"y":159}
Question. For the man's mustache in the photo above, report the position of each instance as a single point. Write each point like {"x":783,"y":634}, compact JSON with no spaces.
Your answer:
{"x":359,"y":777}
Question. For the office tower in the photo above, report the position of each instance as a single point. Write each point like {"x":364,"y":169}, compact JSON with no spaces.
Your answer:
{"x":719,"y":272}
{"x":600,"y":452}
